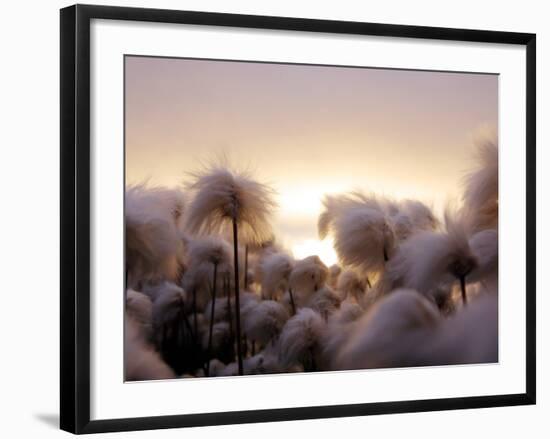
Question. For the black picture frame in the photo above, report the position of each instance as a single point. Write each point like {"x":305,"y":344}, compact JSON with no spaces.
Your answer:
{"x":75,"y":217}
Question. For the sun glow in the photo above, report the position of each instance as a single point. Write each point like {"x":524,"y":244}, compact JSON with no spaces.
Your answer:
{"x":303,"y":197}
{"x":323,"y":249}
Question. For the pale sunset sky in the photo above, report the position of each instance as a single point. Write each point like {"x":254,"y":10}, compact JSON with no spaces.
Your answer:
{"x":307,"y":130}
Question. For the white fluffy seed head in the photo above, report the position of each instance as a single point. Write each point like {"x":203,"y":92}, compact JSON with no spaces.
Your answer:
{"x":366,"y":228}
{"x":140,"y":308}
{"x":157,"y":201}
{"x":275,"y":273}
{"x":262,"y":363}
{"x":221,"y":195}
{"x":350,"y":285}
{"x":153,"y":241}
{"x":216,"y":367}
{"x":420,"y":215}
{"x":334,"y":272}
{"x":141,"y":361}
{"x":325,"y":301}
{"x":155,"y":290}
{"x":419,"y":263}
{"x":469,"y":336}
{"x":264,"y":320}
{"x":332,"y":205}
{"x":300,"y":339}
{"x":408,"y":217}
{"x":429,"y":259}
{"x":209,"y":250}
{"x":222,"y":309}
{"x":484,"y":245}
{"x":336,"y":205}
{"x":338,"y":329}
{"x":362,"y":237}
{"x":168,"y":309}
{"x":247,"y":297}
{"x":202,"y":254}
{"x":481,"y":187}
{"x":348,"y":312}
{"x":221,"y":337}
{"x":307,"y":276}
{"x":402,"y":226}
{"x":389,"y":332}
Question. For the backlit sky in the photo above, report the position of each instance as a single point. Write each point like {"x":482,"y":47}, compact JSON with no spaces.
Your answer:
{"x":307,"y":130}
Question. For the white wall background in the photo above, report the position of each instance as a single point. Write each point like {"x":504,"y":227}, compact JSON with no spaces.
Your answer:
{"x":29,"y":182}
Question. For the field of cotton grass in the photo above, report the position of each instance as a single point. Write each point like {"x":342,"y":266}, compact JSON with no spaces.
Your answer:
{"x":212,"y":292}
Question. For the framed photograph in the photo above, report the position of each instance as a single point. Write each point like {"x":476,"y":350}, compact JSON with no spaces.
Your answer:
{"x":274,"y":218}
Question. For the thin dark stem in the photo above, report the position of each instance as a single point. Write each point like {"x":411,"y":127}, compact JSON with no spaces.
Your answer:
{"x":179,"y":273}
{"x":237,"y":297}
{"x":292,"y":304}
{"x":313,"y":364}
{"x":246,"y":267}
{"x":229,"y":313}
{"x":368,"y":282}
{"x":463,"y":289}
{"x":212,"y":308}
{"x":245,"y":345}
{"x":195,"y":331}
{"x":188,"y":327}
{"x":385,"y":254}
{"x":195,"y":327}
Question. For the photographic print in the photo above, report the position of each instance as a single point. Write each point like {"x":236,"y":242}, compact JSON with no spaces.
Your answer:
{"x":284,"y":218}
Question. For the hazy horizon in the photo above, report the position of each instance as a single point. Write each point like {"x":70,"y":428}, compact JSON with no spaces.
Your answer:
{"x":306,"y":130}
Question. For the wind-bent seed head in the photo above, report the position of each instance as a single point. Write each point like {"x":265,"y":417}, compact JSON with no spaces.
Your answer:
{"x":221,"y":196}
